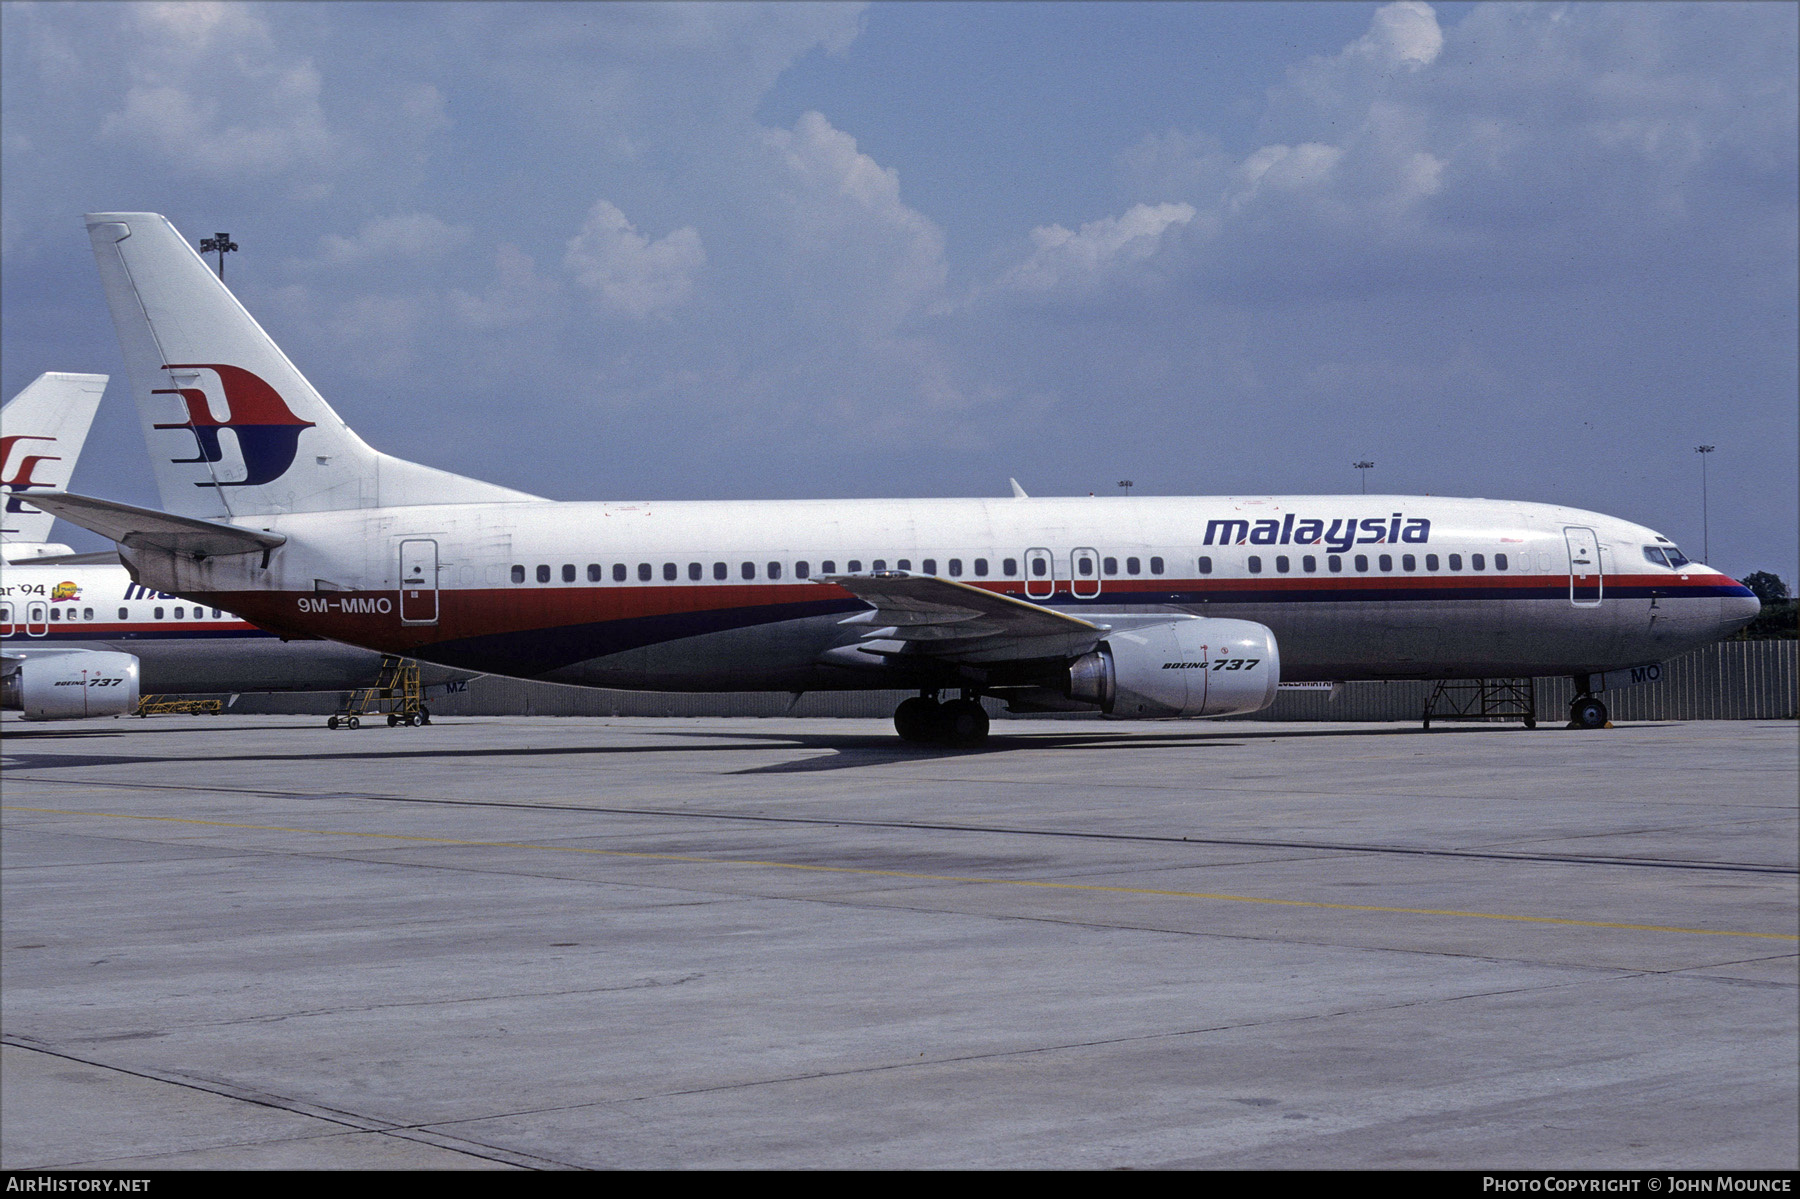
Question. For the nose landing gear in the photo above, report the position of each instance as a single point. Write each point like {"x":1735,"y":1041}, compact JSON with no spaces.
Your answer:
{"x":1585,"y":711}
{"x":959,"y":723}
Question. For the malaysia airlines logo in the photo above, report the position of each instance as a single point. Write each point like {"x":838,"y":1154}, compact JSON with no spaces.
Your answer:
{"x":18,"y":478}
{"x":268,"y":432}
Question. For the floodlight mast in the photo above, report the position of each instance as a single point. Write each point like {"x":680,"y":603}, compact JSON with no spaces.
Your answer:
{"x":221,"y":244}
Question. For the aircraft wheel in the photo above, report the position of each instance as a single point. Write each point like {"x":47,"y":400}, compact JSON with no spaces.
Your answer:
{"x":1531,"y":722}
{"x":393,"y":719}
{"x":424,"y":715}
{"x":1587,"y":713}
{"x":965,"y":723}
{"x":419,"y":719}
{"x":354,"y":723}
{"x":916,"y":720}
{"x":332,"y":723}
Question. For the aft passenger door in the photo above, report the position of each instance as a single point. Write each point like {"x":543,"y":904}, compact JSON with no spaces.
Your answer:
{"x":1587,"y":585}
{"x":418,"y":581}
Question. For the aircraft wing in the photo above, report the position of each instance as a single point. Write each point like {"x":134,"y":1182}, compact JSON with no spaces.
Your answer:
{"x":944,"y":619}
{"x":133,"y":527}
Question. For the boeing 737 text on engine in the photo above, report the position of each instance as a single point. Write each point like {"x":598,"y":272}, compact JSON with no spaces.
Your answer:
{"x":276,"y":510}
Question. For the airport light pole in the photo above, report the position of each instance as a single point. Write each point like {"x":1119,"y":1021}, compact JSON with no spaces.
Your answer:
{"x":1126,"y":484}
{"x":1705,"y":527}
{"x":1364,"y":468}
{"x":220,"y":244}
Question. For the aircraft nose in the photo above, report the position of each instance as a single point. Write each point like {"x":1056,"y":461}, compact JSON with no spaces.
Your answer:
{"x":1738,"y":608}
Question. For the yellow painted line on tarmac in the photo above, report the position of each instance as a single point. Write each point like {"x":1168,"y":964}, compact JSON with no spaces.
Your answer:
{"x":928,"y":878}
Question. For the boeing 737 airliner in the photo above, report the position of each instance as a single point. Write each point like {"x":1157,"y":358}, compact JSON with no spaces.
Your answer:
{"x":1132,"y":607}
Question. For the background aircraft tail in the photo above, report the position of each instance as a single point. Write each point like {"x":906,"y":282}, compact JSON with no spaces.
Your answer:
{"x":41,"y":433}
{"x":233,"y":427}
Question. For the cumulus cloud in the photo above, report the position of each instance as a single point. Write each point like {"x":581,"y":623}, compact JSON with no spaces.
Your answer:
{"x":1404,"y":34}
{"x":841,"y":214}
{"x":213,"y":94}
{"x":628,"y":274}
{"x":1064,"y":259}
{"x":408,"y":235}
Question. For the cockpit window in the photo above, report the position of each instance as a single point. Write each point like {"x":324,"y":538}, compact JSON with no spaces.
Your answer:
{"x":1665,"y":555}
{"x":1654,"y":555}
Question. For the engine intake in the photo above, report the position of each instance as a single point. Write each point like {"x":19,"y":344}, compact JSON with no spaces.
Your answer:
{"x":1198,"y":667}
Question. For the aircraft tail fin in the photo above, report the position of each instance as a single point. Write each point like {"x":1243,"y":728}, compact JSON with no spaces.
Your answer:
{"x":41,"y":433}
{"x":233,"y":427}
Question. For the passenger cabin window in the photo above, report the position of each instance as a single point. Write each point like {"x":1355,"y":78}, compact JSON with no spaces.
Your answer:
{"x":518,"y":574}
{"x":828,"y":567}
{"x":670,"y":572}
{"x":981,"y":568}
{"x":1499,"y":561}
{"x":1281,"y":564}
{"x":1362,"y":563}
{"x":1039,"y":567}
{"x":774,"y":570}
{"x":1133,"y":566}
{"x":802,"y":570}
{"x":1156,"y":566}
{"x":1309,"y":564}
{"x":1255,"y":565}
{"x":929,"y":566}
{"x":1109,"y":566}
{"x":1205,"y":566}
{"x":1010,"y":568}
{"x":56,"y":613}
{"x":720,"y":570}
{"x":1477,"y":562}
{"x":593,"y":572}
{"x":568,"y":572}
{"x":855,"y":566}
{"x":644,"y":572}
{"x":1334,"y":563}
{"x":903,"y":564}
{"x":159,"y":614}
{"x":618,"y":572}
{"x":543,"y":574}
{"x":1084,"y":566}
{"x":1431,"y":562}
{"x":1455,"y":561}
{"x":747,"y":569}
{"x":1387,"y":562}
{"x":1408,"y":562}
{"x":878,"y":564}
{"x":124,"y":614}
{"x":956,"y":568}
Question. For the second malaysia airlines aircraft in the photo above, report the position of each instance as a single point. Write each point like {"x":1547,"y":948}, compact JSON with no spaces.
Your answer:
{"x":1132,"y":607}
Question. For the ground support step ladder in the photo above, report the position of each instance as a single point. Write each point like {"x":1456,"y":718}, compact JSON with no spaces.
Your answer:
{"x":1483,"y":699}
{"x":396,"y":692}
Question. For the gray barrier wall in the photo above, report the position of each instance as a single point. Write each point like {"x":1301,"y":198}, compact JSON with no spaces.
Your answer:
{"x":1733,"y":680}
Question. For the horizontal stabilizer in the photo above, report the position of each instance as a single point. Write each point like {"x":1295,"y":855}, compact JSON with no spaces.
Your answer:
{"x":147,"y":528}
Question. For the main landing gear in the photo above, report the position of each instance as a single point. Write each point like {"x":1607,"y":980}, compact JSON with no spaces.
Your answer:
{"x":1585,"y":711}
{"x":959,"y":723}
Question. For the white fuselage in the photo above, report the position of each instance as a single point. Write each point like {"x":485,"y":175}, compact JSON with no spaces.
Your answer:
{"x":719,"y":595}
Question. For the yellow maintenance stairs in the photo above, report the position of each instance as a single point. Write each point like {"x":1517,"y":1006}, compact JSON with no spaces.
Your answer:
{"x":396,"y":692}
{"x":165,"y":705}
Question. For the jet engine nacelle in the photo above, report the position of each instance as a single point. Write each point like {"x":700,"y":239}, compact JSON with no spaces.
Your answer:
{"x":1200,"y":667}
{"x":73,"y":685}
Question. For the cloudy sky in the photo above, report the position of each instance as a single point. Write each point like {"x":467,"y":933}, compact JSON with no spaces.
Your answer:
{"x":672,"y":251}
